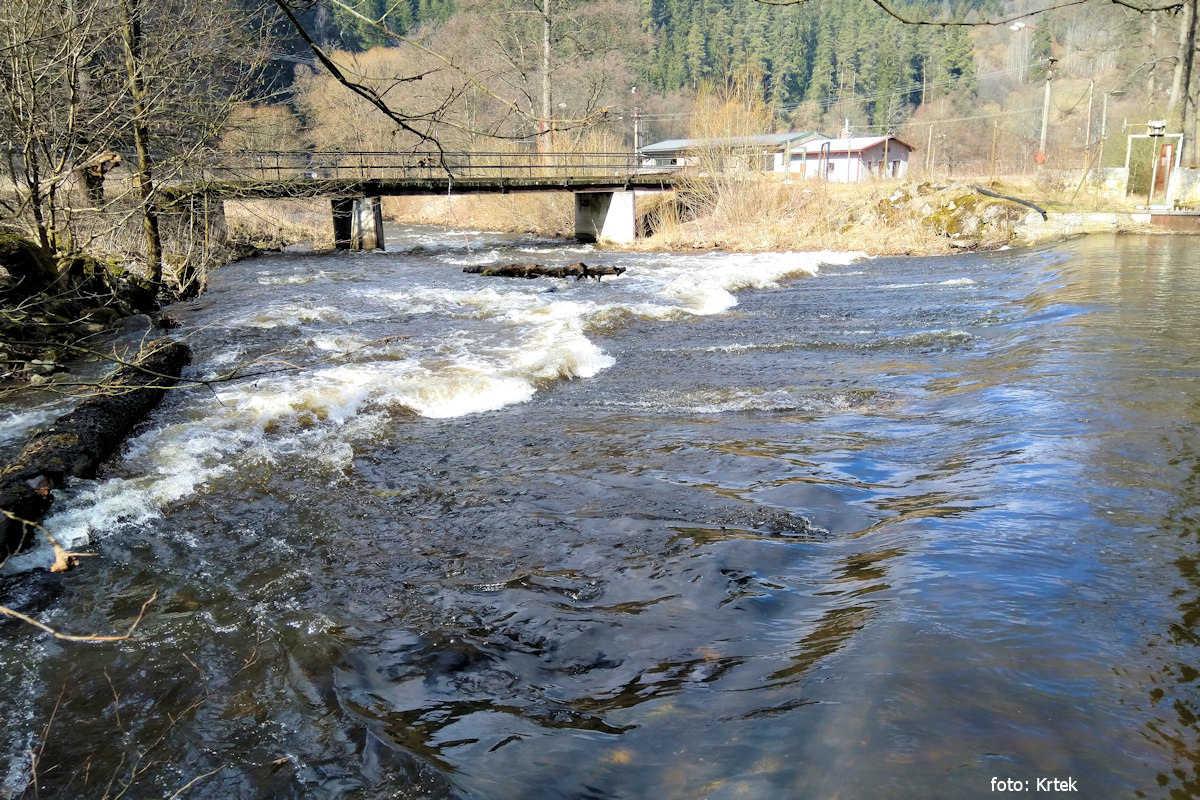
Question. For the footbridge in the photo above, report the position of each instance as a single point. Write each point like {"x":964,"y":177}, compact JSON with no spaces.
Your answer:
{"x":604,"y":185}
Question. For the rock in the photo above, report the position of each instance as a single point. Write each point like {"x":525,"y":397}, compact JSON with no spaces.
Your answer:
{"x":138,"y":323}
{"x":76,"y":443}
{"x":83,"y":329}
{"x":30,"y":269}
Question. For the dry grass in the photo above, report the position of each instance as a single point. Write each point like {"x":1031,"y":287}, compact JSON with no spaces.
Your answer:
{"x":799,"y":216}
{"x":1054,"y":192}
{"x":540,"y":213}
{"x":880,"y":217}
{"x":272,"y":224}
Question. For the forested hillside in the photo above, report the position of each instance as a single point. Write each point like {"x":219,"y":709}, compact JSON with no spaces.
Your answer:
{"x":518,"y":69}
{"x":808,"y":52}
{"x":812,"y":52}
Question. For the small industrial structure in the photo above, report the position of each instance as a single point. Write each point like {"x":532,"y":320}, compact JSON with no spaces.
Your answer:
{"x":853,"y":159}
{"x":766,"y":153}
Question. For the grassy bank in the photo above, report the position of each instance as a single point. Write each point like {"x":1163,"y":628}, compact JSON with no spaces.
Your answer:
{"x":773,"y":216}
{"x":880,"y":218}
{"x":275,"y":224}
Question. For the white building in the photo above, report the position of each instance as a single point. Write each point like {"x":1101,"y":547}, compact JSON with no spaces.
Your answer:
{"x":858,"y":158}
{"x":765,"y":153}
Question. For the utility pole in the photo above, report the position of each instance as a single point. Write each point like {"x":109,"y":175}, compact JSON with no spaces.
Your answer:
{"x":637,"y":133}
{"x":1040,"y":157}
{"x":1087,"y":136}
{"x":929,"y":152}
{"x":995,"y":133}
{"x":1104,"y":121}
{"x":1045,"y":115}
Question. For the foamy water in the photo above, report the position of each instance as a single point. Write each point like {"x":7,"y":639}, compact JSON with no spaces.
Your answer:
{"x":332,"y":362}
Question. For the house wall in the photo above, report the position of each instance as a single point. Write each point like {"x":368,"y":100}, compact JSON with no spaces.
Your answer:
{"x":896,"y":165}
{"x":836,"y":167}
{"x":858,"y":167}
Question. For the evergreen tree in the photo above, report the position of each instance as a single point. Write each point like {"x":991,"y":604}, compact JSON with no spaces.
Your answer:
{"x":697,"y":54}
{"x":957,"y":65}
{"x":720,"y":45}
{"x":821,"y":83}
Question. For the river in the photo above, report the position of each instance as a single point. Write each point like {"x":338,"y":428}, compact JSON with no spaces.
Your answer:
{"x":725,"y":526}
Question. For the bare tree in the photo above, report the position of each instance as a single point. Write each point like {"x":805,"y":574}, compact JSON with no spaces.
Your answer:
{"x":504,"y":88}
{"x":88,"y":79}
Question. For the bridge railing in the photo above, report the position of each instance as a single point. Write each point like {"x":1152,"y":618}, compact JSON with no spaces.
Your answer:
{"x":299,"y":165}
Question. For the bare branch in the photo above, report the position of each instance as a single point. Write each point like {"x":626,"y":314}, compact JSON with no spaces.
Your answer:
{"x":365,"y":92}
{"x":91,"y":637}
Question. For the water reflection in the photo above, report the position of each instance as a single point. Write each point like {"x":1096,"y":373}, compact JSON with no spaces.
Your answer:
{"x":1176,"y":688}
{"x":1144,"y":419}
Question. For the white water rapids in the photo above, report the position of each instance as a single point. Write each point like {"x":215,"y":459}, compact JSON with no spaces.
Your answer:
{"x":338,"y":353}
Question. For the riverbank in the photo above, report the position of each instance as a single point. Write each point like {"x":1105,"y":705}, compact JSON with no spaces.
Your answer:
{"x":883,"y":218}
{"x":49,"y":305}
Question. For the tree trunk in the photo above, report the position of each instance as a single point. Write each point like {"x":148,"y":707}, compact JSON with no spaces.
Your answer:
{"x":1177,"y":73}
{"x":578,"y":271}
{"x":1187,"y":91}
{"x":1151,"y":85}
{"x":141,"y":140}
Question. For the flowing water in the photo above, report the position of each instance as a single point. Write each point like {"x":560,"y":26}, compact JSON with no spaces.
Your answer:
{"x":715,"y":528}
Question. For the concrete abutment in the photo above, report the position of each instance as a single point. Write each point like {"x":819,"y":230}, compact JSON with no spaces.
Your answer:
{"x":603,"y":216}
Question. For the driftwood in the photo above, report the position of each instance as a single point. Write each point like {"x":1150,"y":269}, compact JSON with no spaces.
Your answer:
{"x":75,"y":444}
{"x":578,"y":271}
{"x":1026,"y":203}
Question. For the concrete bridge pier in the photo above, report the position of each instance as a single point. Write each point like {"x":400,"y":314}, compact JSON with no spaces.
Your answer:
{"x":357,"y":223}
{"x":605,"y":216}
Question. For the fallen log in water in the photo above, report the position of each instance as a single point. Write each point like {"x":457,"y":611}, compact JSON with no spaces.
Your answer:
{"x":75,"y":444}
{"x":578,"y":271}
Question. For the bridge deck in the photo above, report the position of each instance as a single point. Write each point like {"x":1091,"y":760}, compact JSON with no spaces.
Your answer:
{"x":391,"y":187}
{"x":317,"y":174}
